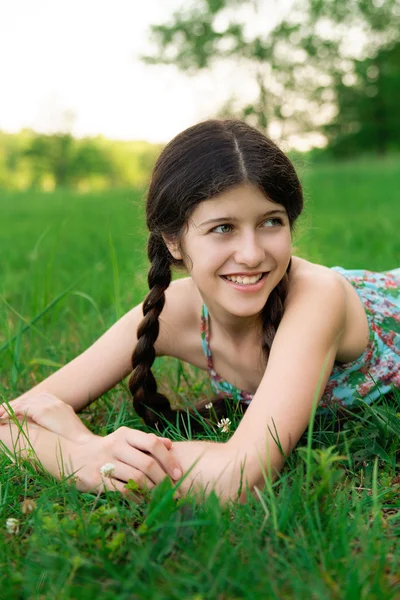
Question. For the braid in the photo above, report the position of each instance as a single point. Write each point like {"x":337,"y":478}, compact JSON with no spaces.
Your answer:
{"x":142,"y":384}
{"x":273,"y":311}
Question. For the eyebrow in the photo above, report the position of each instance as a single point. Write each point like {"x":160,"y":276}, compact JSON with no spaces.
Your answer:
{"x":276,"y":211}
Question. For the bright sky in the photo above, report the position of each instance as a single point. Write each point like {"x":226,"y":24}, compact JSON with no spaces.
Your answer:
{"x":83,"y":56}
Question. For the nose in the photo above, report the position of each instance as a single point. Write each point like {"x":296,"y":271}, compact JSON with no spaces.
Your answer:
{"x":249,"y":251}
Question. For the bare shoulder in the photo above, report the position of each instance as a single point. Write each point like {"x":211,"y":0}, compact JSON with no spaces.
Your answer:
{"x":180,"y":317}
{"x":316,"y":283}
{"x":316,"y":295}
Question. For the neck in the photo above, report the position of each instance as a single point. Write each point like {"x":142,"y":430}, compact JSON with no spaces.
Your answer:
{"x":238,"y":331}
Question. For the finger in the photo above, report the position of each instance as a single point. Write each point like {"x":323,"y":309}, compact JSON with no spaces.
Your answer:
{"x":15,"y":409}
{"x":19,"y":407}
{"x":140,"y":462}
{"x":167,"y":442}
{"x":19,"y":410}
{"x":124,"y":472}
{"x":112,"y":485}
{"x":5,"y":409}
{"x":149,"y":442}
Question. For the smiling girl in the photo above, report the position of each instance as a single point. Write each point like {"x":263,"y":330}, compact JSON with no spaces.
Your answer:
{"x":276,"y":333}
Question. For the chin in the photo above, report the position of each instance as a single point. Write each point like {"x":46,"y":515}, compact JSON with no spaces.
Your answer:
{"x":252,"y":309}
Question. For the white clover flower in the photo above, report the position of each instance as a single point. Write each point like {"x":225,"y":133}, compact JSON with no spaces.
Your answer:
{"x":12,"y":526}
{"x":224,"y":425}
{"x":210,"y":405}
{"x":107,"y":469}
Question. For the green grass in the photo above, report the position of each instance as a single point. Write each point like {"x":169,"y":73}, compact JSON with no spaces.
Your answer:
{"x":328,"y":528}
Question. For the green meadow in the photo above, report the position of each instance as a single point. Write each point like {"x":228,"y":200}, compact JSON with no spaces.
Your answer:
{"x":329,"y":527}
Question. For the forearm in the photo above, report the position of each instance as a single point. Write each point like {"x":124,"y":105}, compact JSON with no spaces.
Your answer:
{"x":29,"y":440}
{"x":216,"y":469}
{"x":49,"y":412}
{"x":69,"y":395}
{"x":225,"y":467}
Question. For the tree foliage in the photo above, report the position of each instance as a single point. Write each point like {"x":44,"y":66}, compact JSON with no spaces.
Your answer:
{"x":35,"y":160}
{"x":298,"y":64}
{"x":368,"y":115}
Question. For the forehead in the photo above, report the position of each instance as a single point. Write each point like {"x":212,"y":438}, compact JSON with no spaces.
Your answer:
{"x":236,"y":202}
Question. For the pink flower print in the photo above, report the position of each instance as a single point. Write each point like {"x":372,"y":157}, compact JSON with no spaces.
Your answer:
{"x":388,"y":338}
{"x":366,"y":387}
{"x":387,"y":366}
{"x":377,"y":329}
{"x":390,"y":283}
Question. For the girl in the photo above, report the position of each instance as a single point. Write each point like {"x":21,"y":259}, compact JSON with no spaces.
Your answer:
{"x":277,"y":334}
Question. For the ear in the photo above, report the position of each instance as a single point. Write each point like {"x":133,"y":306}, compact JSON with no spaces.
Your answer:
{"x":173,"y":247}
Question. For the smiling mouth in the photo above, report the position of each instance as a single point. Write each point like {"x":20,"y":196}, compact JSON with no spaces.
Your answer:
{"x":244,"y":279}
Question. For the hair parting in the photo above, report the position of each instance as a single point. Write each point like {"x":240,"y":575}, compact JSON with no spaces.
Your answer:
{"x":200,"y":163}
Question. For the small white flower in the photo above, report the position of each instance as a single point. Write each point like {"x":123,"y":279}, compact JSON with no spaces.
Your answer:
{"x":12,"y":526}
{"x":107,"y":469}
{"x":210,"y":405}
{"x":224,"y":425}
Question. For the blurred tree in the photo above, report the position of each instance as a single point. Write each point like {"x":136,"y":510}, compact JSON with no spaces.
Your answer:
{"x":15,"y":170}
{"x":29,"y":159}
{"x":67,"y":160}
{"x":296,"y":64}
{"x":368,"y":111}
{"x":50,"y":154}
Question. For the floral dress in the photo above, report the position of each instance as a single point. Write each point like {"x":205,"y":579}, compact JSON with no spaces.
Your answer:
{"x":375,"y":372}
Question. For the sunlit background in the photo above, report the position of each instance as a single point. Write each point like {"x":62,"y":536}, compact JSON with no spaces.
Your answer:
{"x":76,"y":65}
{"x":310,"y":74}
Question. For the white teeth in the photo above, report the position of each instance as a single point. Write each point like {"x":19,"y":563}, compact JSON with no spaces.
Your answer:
{"x":244,"y":280}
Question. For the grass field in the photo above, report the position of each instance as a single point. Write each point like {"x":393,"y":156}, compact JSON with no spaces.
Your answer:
{"x":328,"y":528}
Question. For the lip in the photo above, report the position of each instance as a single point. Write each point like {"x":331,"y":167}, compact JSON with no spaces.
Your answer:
{"x":244,"y":274}
{"x":251,"y":287}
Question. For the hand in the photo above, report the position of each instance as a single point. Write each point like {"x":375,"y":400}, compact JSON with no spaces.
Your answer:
{"x":133,"y":454}
{"x":89,"y":452}
{"x":53,"y":414}
{"x":49,"y":412}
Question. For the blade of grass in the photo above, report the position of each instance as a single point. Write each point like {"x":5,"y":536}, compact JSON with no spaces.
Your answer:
{"x":114,"y":262}
{"x":41,"y":314}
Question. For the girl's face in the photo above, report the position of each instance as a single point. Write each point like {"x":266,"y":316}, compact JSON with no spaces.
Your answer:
{"x":239,"y":234}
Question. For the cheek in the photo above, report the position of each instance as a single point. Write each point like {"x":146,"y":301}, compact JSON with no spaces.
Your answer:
{"x":204,"y":254}
{"x":283,"y":243}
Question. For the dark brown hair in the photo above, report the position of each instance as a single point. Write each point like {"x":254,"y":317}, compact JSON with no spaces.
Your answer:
{"x":198,"y":164}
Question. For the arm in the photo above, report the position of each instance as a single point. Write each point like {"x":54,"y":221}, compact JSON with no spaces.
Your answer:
{"x":28,"y":439}
{"x":300,"y":362}
{"x":213,"y":469}
{"x":108,"y":360}
{"x":54,"y":453}
{"x":97,"y":369}
{"x":299,"y":366}
{"x":50,"y":414}
{"x":135,"y":455}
